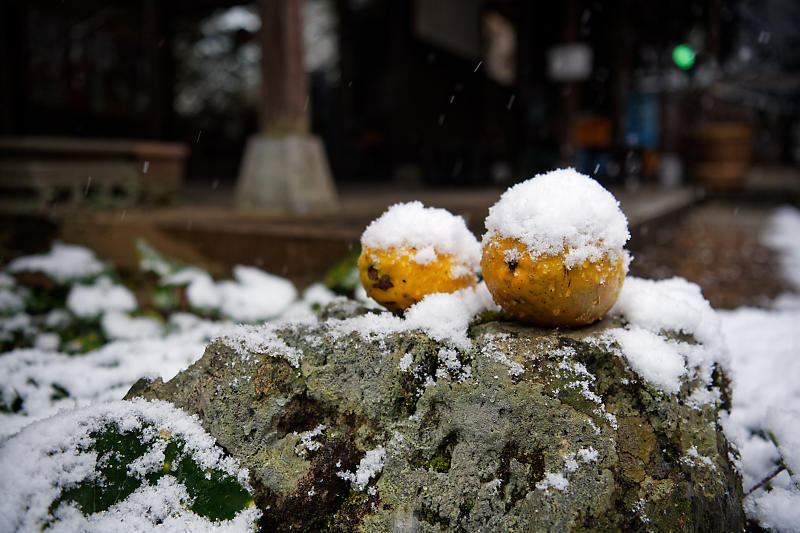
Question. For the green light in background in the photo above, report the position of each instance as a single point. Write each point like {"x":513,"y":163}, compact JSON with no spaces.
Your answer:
{"x":683,"y":56}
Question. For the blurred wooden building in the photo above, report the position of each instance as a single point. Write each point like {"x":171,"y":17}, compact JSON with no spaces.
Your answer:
{"x":452,"y":92}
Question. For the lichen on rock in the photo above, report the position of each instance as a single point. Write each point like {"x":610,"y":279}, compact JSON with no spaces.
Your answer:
{"x":523,"y":429}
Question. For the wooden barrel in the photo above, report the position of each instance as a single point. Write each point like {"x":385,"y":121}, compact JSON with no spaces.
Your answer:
{"x":721,"y":153}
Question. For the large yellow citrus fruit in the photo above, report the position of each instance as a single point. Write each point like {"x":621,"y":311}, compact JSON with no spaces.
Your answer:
{"x":553,"y":250}
{"x":397,"y":279}
{"x":544,"y":291}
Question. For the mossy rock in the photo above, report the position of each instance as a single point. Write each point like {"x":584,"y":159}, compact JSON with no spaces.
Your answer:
{"x":533,"y":430}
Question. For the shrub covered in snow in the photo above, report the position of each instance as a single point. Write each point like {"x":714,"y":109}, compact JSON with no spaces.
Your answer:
{"x":123,"y":466}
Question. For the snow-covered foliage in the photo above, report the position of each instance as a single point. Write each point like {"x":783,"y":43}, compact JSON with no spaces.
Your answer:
{"x":64,"y":262}
{"x":117,"y":325}
{"x":561,"y":211}
{"x":251,"y":296}
{"x":121,"y":466}
{"x":90,"y":301}
{"x":80,"y":344}
{"x":429,"y":230}
{"x":36,"y":383}
{"x":782,"y":235}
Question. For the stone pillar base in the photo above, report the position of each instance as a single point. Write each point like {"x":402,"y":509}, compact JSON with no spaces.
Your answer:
{"x":289,"y":174}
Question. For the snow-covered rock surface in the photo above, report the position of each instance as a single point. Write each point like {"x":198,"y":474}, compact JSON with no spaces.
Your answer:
{"x":365,"y":420}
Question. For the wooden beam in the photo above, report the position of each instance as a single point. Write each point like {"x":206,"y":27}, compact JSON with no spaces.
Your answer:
{"x":283,"y":107}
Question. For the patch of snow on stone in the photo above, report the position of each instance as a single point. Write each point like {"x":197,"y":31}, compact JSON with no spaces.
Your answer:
{"x":89,"y":301}
{"x":584,"y":455}
{"x":496,"y":352}
{"x":430,"y":230}
{"x":446,"y":317}
{"x":64,"y":262}
{"x":307,"y":442}
{"x":653,"y":357}
{"x":560,"y":211}
{"x":673,"y":305}
{"x":369,"y":466}
{"x":552,"y":480}
{"x":443,"y":317}
{"x":451,"y":366}
{"x":653,"y":309}
{"x":494,"y":486}
{"x":704,"y":396}
{"x":405,"y":362}
{"x":639,"y":508}
{"x":247,"y":339}
{"x":588,"y":455}
{"x":693,"y":458}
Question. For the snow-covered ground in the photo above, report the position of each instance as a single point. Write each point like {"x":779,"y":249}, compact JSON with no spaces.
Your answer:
{"x":39,"y":381}
{"x":764,"y":421}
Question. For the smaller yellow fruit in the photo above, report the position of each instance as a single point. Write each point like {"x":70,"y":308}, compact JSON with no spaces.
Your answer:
{"x":395,"y":277}
{"x":411,"y":251}
{"x":544,"y":291}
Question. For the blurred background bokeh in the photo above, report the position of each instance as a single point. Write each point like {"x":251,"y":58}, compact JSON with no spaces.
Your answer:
{"x":197,"y":124}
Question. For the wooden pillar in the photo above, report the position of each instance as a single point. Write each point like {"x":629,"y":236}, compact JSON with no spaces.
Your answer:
{"x":284,"y":168}
{"x":283,"y":107}
{"x":570,"y":92}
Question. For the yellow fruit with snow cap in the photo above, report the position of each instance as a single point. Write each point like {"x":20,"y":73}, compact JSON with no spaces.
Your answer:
{"x":411,"y":251}
{"x":553,"y":251}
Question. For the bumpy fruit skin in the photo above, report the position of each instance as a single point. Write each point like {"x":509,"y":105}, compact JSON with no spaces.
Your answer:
{"x":544,"y":291}
{"x":394,"y":280}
